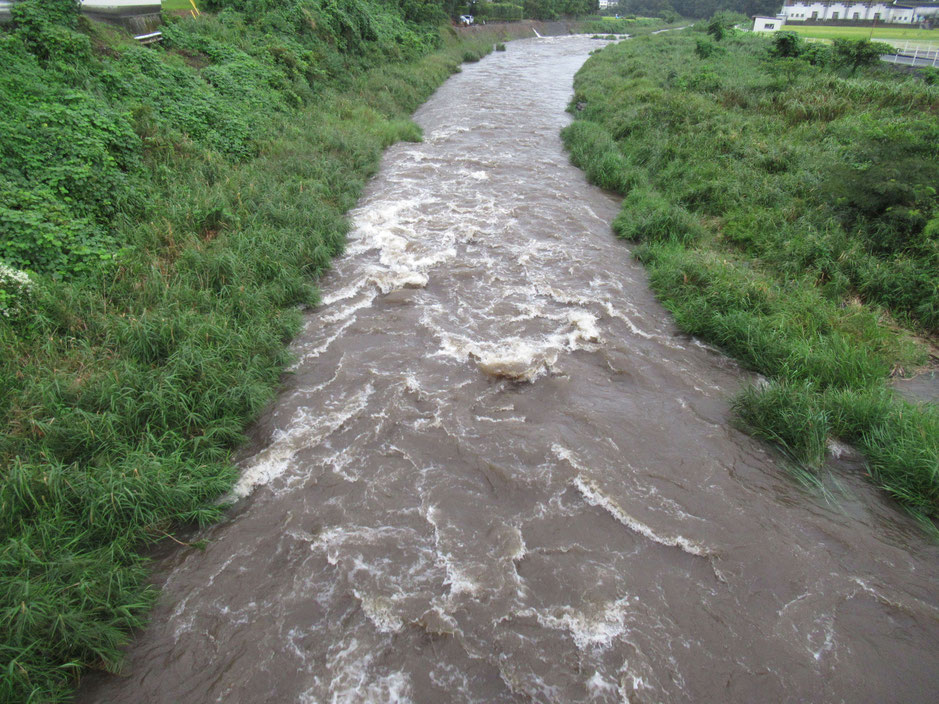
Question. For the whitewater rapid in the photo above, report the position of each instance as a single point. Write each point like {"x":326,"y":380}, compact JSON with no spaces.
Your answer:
{"x":497,"y":473}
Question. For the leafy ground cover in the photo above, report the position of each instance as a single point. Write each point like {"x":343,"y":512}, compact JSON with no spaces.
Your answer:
{"x":164,"y":212}
{"x":783,"y":199}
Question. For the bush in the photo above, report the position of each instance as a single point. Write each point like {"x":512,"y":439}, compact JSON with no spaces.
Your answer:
{"x":855,"y":53}
{"x":647,"y":216}
{"x":787,"y":45}
{"x":16,"y":293}
{"x":930,"y":75}
{"x":721,"y":25}
{"x":787,"y":415}
{"x":705,"y":49}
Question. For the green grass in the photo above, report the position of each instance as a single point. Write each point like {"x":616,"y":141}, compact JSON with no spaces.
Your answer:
{"x":173,"y":206}
{"x":786,"y":211}
{"x":178,"y":5}
{"x":879,"y":33}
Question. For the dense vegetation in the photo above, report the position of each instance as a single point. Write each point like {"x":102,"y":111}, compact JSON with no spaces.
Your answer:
{"x":164,"y":212}
{"x":517,"y":9}
{"x":697,"y":8}
{"x":783,"y":198}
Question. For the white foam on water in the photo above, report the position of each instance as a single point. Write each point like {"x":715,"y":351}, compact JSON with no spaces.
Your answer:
{"x":594,"y":631}
{"x":597,"y":297}
{"x":598,"y":686}
{"x":838,"y":449}
{"x":380,"y":611}
{"x":445,"y":133}
{"x":339,"y":295}
{"x":353,"y":681}
{"x":308,"y":428}
{"x":828,"y":642}
{"x":457,"y":578}
{"x":524,"y":359}
{"x":913,"y":606}
{"x":510,"y":419}
{"x":322,"y":347}
{"x":335,"y":316}
{"x":595,"y":496}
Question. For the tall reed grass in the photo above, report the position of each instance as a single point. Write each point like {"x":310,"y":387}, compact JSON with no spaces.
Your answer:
{"x":784,"y":213}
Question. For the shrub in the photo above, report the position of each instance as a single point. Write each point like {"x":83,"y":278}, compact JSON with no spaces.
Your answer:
{"x":721,"y":24}
{"x":787,"y":415}
{"x":705,"y":49}
{"x":787,"y":45}
{"x":647,"y":216}
{"x":855,"y":53}
{"x":929,"y":75}
{"x":16,"y":293}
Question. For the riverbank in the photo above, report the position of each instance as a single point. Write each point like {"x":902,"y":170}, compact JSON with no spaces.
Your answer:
{"x":783,"y":209}
{"x":173,"y":206}
{"x":561,"y":28}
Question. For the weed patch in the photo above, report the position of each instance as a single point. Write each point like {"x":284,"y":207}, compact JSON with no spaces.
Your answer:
{"x":783,"y":200}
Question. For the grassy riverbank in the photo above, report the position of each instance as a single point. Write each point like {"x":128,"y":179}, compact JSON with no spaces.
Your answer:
{"x":786,"y":211}
{"x":172,"y":206}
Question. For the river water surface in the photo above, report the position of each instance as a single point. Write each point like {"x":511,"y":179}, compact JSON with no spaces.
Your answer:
{"x":498,"y":474}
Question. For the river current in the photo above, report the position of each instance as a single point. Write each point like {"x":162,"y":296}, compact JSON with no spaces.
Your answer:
{"x":497,"y":473}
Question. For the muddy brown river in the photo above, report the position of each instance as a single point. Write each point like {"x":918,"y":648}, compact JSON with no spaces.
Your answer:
{"x":497,"y":473}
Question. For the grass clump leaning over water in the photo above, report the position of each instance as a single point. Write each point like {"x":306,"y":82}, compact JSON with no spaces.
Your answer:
{"x":785,"y":206}
{"x":164,"y":213}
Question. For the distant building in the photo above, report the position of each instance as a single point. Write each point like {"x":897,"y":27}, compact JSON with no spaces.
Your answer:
{"x":768,"y":24}
{"x":888,"y":13}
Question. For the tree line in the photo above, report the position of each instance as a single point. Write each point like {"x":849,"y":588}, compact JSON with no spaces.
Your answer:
{"x":697,"y":8}
{"x":533,"y":9}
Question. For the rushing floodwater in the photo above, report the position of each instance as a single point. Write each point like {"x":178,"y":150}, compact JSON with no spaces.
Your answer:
{"x":498,"y":474}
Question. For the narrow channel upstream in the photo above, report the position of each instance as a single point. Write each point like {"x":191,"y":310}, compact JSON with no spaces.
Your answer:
{"x":498,"y":473}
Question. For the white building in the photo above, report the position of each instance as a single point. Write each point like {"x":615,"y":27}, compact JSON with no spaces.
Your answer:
{"x":888,"y":13}
{"x":767,"y":24}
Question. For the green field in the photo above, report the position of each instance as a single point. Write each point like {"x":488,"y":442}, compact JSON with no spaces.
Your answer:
{"x":879,"y":34}
{"x":178,"y":4}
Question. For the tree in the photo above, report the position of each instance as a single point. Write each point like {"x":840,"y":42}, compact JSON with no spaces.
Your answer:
{"x":854,"y":54}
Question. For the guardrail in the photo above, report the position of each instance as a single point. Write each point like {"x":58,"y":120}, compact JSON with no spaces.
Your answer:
{"x":149,"y":38}
{"x":912,"y":54}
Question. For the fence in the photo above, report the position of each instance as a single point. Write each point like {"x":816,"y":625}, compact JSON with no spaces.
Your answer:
{"x":917,"y":54}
